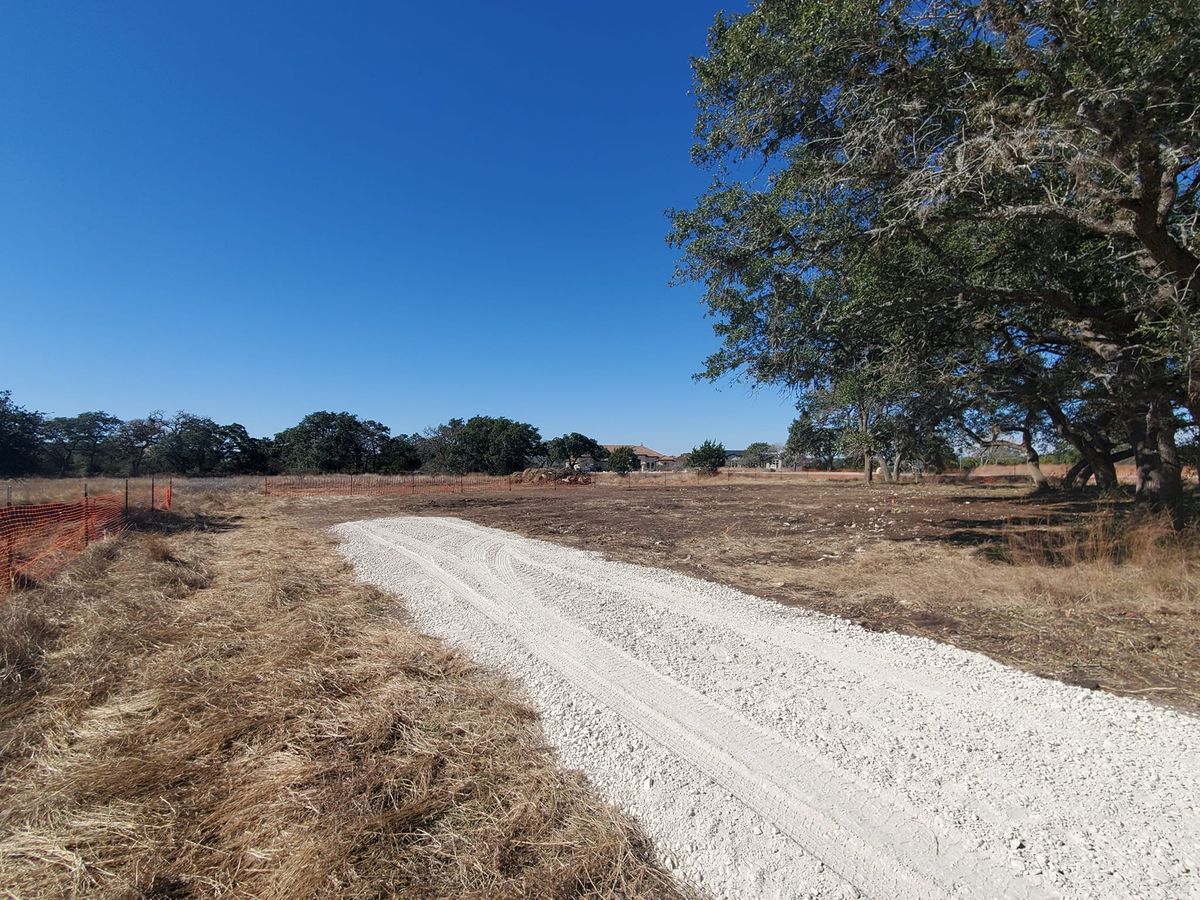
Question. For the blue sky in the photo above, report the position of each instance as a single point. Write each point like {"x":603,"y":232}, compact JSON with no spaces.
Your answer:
{"x":408,"y":211}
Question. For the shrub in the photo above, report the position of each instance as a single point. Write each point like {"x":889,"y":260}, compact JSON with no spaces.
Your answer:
{"x":623,"y":461}
{"x":708,"y":457}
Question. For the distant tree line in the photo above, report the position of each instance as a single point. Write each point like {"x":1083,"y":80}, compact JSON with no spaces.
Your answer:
{"x":97,"y":443}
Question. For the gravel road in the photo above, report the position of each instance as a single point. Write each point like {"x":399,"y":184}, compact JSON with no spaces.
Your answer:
{"x":771,"y":751}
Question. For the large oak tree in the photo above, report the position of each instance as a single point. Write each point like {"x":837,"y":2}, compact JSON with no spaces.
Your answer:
{"x":995,"y":198}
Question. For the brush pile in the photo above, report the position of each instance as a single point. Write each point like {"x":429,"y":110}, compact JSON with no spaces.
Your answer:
{"x":547,"y":476}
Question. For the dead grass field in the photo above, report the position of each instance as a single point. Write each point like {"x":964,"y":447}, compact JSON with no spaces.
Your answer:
{"x":1046,"y":584}
{"x":221,"y":709}
{"x":218,"y":707}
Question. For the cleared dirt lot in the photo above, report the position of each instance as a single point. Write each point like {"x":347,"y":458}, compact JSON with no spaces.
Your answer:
{"x":223,"y":708}
{"x":929,"y":560}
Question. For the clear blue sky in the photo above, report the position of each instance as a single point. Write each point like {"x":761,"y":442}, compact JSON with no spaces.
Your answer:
{"x":409,"y":211}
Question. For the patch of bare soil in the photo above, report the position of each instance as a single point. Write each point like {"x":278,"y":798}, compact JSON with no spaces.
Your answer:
{"x":930,"y":560}
{"x":221,"y":708}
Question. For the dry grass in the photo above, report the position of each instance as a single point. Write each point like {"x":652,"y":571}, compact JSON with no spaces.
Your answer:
{"x":225,"y":710}
{"x":1105,"y":601}
{"x":56,"y":490}
{"x":1107,"y":538}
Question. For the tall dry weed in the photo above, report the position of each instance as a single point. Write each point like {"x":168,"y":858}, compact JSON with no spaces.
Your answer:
{"x":1105,"y":538}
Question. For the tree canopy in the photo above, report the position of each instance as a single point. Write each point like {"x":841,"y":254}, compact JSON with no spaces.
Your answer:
{"x":20,"y":438}
{"x":956,"y":207}
{"x":623,"y":460}
{"x":570,"y":448}
{"x":755,"y":455}
{"x":96,"y":442}
{"x":333,"y":442}
{"x":494,"y":445}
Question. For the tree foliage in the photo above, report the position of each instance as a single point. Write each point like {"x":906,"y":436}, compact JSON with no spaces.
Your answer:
{"x":197,"y":445}
{"x":20,"y":438}
{"x":708,"y":457}
{"x":493,"y":445}
{"x":333,"y":442}
{"x":756,"y":454}
{"x":623,"y":460}
{"x":991,"y":203}
{"x":813,"y":439}
{"x":324,"y":441}
{"x":400,"y":455}
{"x":136,"y":437}
{"x":81,"y":441}
{"x":570,"y":448}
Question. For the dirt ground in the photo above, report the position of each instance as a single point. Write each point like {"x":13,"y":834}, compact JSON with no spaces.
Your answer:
{"x":927,"y":560}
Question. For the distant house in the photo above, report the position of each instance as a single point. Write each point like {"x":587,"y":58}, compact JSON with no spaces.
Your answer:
{"x":772,"y":460}
{"x":650,"y":460}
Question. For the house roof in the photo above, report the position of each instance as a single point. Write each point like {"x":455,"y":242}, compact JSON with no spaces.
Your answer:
{"x":639,"y":449}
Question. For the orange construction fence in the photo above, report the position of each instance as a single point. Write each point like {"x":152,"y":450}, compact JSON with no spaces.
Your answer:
{"x":37,"y":539}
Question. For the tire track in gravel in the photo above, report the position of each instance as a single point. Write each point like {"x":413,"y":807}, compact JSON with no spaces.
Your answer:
{"x":863,"y":714}
{"x":871,"y":837}
{"x":865,"y":711}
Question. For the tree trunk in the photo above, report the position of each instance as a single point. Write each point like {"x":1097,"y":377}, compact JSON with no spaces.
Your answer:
{"x":1101,"y":465}
{"x":883,"y":467}
{"x":896,"y":466}
{"x":1105,"y":472}
{"x":1098,"y":458}
{"x":1159,"y":472}
{"x":1171,"y":473}
{"x":1081,"y":469}
{"x":1034,"y":462}
{"x":1040,"y":483}
{"x":866,"y":466}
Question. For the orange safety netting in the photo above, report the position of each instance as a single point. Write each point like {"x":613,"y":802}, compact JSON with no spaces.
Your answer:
{"x":39,"y":538}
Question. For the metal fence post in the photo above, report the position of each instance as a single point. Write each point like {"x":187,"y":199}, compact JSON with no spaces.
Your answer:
{"x":126,"y":496}
{"x":86,"y":536}
{"x":151,"y":493}
{"x":11,"y":571}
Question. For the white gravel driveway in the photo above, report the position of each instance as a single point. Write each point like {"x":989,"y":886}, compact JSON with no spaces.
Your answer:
{"x":776,"y":752}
